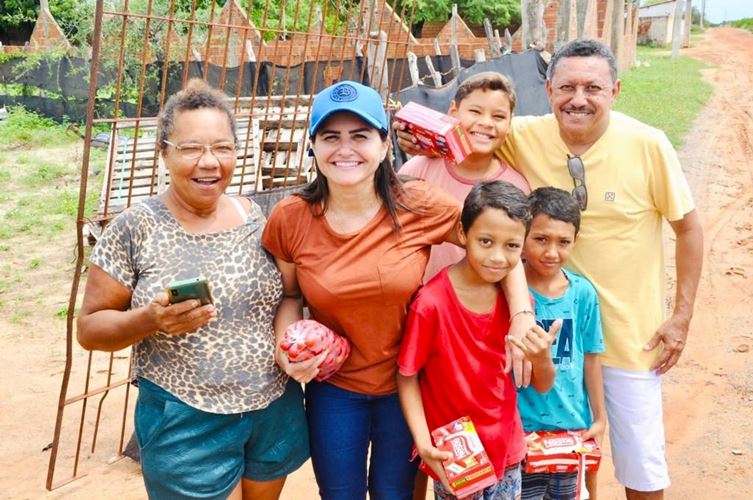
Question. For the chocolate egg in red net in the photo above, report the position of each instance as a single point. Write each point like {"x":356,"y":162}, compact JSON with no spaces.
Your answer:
{"x":307,"y":338}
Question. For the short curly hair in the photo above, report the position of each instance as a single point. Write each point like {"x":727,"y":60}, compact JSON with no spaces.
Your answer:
{"x":197,"y":94}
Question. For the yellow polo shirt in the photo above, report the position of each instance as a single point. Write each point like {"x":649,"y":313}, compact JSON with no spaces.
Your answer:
{"x":634,"y":180}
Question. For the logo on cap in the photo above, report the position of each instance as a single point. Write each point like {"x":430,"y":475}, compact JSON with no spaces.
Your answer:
{"x":344,"y":93}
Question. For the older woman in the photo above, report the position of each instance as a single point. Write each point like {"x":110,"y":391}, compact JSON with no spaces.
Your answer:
{"x":354,"y":244}
{"x":215,"y":416}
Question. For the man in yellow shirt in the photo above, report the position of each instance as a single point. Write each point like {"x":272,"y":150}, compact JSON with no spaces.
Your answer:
{"x":627,"y":178}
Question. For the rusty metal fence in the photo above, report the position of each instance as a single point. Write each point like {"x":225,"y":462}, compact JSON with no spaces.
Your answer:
{"x":270,"y":57}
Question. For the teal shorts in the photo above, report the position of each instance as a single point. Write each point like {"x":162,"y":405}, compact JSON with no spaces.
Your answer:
{"x":190,"y":453}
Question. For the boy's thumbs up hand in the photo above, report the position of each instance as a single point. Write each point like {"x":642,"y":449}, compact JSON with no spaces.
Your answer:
{"x":536,"y":343}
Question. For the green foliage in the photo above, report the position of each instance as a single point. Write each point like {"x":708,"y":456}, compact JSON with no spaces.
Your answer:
{"x":14,"y":13}
{"x":337,"y":17}
{"x":499,"y":12}
{"x":425,"y":10}
{"x":746,"y":24}
{"x":76,"y":19}
{"x":667,"y":94}
{"x":9,"y":56}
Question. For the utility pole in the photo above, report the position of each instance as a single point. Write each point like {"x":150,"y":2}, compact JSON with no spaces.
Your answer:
{"x":676,"y":31}
{"x":703,"y":11}
{"x":688,"y":23}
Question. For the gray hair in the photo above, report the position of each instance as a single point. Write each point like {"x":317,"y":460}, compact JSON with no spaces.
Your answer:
{"x":583,"y":48}
{"x":198,"y":94}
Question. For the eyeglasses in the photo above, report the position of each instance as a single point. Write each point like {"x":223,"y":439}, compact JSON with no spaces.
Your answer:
{"x":194,"y":150}
{"x":578,"y":173}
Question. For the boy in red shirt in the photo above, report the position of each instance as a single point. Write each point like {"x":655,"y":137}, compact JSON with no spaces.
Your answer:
{"x":453,"y":351}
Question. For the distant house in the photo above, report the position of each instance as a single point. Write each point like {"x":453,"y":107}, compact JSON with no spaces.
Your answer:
{"x":655,"y":23}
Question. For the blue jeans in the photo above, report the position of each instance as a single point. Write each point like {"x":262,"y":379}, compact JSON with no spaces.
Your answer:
{"x":342,"y":424}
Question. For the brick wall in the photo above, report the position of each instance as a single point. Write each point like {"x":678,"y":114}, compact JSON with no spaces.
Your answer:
{"x":46,"y":36}
{"x":430,"y":30}
{"x":7,"y":49}
{"x":227,"y":44}
{"x":601,"y":11}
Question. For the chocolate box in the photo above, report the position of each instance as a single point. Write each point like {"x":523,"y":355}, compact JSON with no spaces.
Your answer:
{"x":469,"y":470}
{"x":436,"y":132}
{"x":560,"y":451}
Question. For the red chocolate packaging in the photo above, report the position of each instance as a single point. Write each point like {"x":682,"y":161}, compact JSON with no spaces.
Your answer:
{"x":307,"y":338}
{"x":436,"y":132}
{"x":561,"y":451}
{"x":469,"y":470}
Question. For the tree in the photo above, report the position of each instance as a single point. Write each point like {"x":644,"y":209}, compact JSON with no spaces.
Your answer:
{"x":75,"y":18}
{"x":17,"y":13}
{"x":499,"y":12}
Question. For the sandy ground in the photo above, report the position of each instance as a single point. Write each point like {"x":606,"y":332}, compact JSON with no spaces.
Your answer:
{"x":708,"y":396}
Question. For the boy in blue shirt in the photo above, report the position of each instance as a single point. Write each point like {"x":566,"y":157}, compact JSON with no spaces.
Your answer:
{"x":577,"y":399}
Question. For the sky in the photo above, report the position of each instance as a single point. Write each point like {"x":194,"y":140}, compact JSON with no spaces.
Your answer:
{"x":726,"y":10}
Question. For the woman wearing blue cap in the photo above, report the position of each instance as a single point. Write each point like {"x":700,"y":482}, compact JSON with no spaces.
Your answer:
{"x":354,"y":244}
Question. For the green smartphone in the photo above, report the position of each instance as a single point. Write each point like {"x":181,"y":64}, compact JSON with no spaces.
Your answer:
{"x":192,"y":288}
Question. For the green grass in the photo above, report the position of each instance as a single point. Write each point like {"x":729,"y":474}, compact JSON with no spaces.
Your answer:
{"x":62,"y":313}
{"x":668,"y":94}
{"x":28,"y":129}
{"x":41,"y":175}
{"x":40,"y":167}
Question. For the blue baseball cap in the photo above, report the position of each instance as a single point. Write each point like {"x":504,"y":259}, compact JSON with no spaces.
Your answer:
{"x":352,"y":97}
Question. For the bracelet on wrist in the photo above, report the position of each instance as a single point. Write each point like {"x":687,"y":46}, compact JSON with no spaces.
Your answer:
{"x":522,"y":311}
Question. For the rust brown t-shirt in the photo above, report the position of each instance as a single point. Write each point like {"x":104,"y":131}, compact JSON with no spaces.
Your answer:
{"x":360,"y":284}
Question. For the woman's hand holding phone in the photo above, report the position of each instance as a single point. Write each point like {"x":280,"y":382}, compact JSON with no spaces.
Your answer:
{"x":182,"y":317}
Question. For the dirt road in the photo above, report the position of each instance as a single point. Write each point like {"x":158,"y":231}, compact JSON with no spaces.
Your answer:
{"x":709,"y":395}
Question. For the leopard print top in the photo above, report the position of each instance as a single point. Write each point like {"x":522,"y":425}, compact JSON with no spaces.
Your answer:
{"x":226,"y":366}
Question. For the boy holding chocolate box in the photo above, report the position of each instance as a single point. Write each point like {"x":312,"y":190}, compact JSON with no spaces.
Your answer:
{"x":577,"y":399}
{"x":483,"y":106}
{"x":452,"y":356}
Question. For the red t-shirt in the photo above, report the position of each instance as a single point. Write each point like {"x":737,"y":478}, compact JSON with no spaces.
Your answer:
{"x":460,"y":358}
